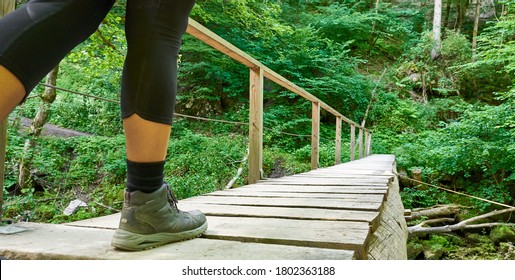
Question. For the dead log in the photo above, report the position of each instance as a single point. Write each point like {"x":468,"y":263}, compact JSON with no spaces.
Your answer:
{"x":463,"y":225}
{"x":434,"y":212}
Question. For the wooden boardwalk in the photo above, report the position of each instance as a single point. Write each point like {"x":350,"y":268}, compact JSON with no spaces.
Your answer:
{"x":331,"y":213}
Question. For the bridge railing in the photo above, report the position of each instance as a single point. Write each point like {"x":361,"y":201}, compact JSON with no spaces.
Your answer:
{"x":258,"y":72}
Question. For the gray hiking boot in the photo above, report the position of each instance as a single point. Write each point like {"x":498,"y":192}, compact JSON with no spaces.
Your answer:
{"x":153,"y":219}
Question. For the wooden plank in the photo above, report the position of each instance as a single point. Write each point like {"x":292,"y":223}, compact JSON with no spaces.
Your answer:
{"x":369,"y":205}
{"x":334,"y":179}
{"x":207,"y":36}
{"x":248,"y":193}
{"x":333,"y":175}
{"x":320,"y":187}
{"x":256,"y":125}
{"x":350,"y":170}
{"x":316,"y":189}
{"x":48,"y":241}
{"x":320,"y":234}
{"x":324,"y":182}
{"x":282,"y":212}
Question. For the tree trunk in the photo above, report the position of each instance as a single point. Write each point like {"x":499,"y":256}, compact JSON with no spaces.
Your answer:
{"x":437,"y":30}
{"x":476,"y":27}
{"x":6,"y":6}
{"x":447,"y":14}
{"x":461,"y":14}
{"x":39,"y":121}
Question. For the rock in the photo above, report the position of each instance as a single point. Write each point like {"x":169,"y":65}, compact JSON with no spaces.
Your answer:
{"x":502,"y":234}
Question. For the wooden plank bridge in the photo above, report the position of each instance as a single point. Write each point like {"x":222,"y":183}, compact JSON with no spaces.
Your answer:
{"x":348,"y":211}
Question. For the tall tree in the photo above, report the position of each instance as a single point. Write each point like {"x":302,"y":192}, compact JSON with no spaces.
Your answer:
{"x":437,"y":30}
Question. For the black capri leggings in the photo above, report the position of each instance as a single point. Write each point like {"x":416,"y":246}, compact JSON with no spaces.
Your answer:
{"x":35,"y":37}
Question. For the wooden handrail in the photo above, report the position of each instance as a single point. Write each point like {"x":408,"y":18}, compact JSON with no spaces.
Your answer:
{"x":209,"y":37}
{"x":257,"y":72}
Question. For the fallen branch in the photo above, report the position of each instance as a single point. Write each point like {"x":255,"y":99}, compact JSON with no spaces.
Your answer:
{"x":238,"y":174}
{"x":465,"y":224}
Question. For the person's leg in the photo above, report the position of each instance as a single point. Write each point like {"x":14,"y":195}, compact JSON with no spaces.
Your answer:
{"x":35,"y":37}
{"x":150,"y":216}
{"x":11,"y":92}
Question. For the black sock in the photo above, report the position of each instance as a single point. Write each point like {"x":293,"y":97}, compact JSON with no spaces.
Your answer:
{"x":144,"y":176}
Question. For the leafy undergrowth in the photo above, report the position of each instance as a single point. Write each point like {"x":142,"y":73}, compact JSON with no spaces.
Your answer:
{"x":92,"y":169}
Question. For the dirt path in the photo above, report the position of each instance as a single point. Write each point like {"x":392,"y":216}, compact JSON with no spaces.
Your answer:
{"x":52,"y":130}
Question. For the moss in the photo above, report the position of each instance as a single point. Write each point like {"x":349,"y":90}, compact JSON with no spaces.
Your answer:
{"x":437,"y":247}
{"x":508,"y":250}
{"x":415,"y":248}
{"x":502,"y":234}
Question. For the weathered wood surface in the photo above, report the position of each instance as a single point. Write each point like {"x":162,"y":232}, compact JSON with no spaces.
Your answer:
{"x":259,"y":221}
{"x":46,"y":241}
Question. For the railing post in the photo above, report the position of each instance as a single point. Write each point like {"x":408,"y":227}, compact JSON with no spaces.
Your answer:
{"x":338,"y":142}
{"x":256,"y":125}
{"x":315,"y":135}
{"x":352,"y":142}
{"x":369,"y":143}
{"x":360,"y":143}
{"x":367,"y":135}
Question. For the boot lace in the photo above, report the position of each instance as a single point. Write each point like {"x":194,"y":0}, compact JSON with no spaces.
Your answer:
{"x":172,"y":199}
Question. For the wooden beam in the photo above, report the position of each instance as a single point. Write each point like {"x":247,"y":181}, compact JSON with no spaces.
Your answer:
{"x":368,"y":147}
{"x":352,"y":142}
{"x":360,"y":143}
{"x":209,"y":37}
{"x":256,"y":125}
{"x":315,"y":135}
{"x":338,"y":141}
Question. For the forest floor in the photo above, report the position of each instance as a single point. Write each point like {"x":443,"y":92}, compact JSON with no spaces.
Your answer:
{"x":53,"y":130}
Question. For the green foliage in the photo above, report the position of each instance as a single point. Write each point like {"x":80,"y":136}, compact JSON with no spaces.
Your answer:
{"x":477,"y":147}
{"x":422,"y":197}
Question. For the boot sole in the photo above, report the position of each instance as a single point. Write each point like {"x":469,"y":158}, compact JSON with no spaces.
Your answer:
{"x":130,"y":241}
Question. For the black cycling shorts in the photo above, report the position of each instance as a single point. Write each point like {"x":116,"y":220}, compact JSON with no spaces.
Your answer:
{"x":35,"y":37}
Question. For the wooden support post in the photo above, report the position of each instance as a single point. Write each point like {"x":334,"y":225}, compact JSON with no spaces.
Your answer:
{"x":6,"y":6}
{"x":360,"y":143}
{"x":256,"y":125}
{"x":315,"y":135}
{"x":367,"y":135}
{"x":338,"y":142}
{"x":369,"y":144}
{"x":352,"y":142}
